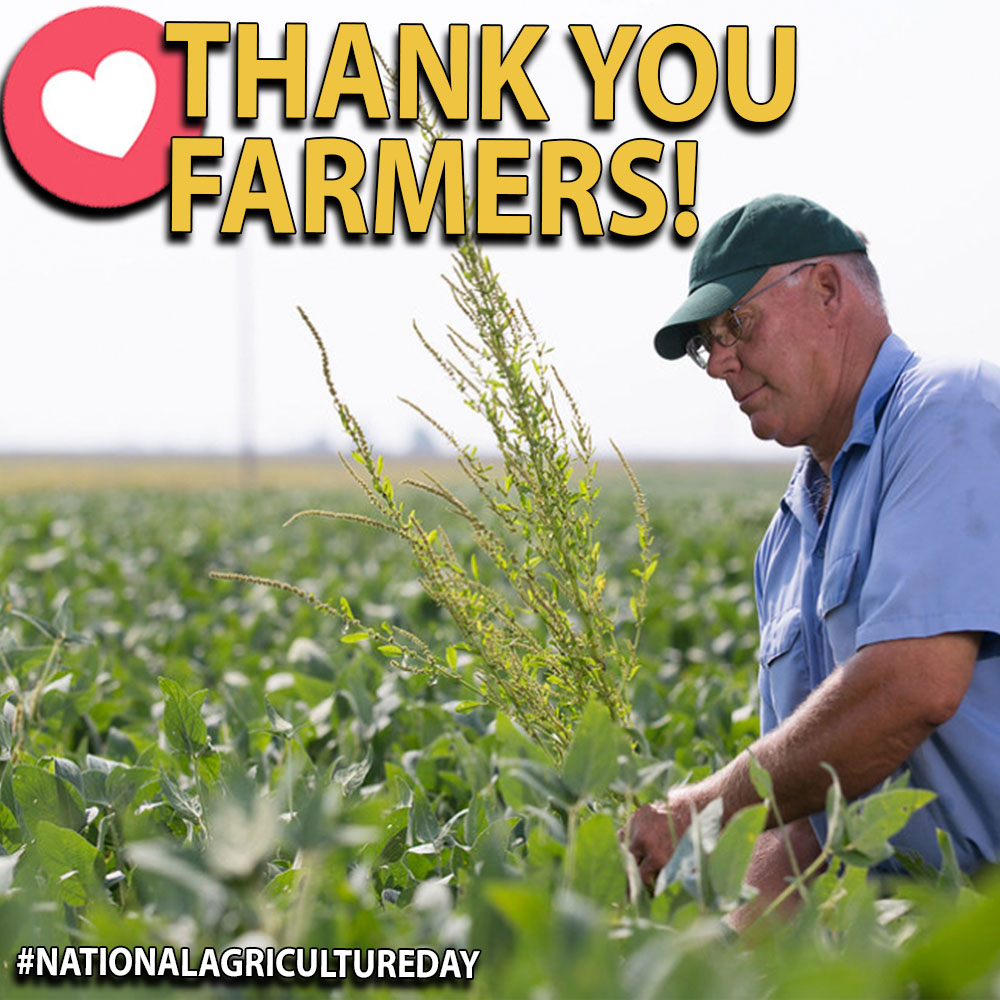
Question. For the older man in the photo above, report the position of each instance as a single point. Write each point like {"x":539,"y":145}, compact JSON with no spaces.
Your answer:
{"x":878,"y":581}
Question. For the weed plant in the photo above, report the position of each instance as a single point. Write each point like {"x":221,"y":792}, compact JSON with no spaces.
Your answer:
{"x":539,"y":636}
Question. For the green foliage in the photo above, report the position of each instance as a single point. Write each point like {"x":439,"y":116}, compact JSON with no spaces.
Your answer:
{"x":327,"y":800}
{"x":728,"y":863}
{"x":67,"y":860}
{"x":592,"y":758}
{"x":183,"y":725}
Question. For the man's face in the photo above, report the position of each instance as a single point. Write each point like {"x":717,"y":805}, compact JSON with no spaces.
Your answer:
{"x":784,"y":372}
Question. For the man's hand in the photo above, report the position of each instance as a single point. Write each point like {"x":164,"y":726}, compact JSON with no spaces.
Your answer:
{"x":654,"y":832}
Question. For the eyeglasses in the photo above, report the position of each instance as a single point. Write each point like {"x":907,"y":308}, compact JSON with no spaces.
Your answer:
{"x":728,"y":326}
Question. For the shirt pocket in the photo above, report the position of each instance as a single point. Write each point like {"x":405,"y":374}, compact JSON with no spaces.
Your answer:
{"x":838,"y":606}
{"x":784,"y":671}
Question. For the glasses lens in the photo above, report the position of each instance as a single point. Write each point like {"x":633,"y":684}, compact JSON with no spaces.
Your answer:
{"x":699,"y":349}
{"x":732,"y":329}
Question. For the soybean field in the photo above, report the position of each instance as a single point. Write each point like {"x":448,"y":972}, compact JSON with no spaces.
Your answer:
{"x":188,"y":761}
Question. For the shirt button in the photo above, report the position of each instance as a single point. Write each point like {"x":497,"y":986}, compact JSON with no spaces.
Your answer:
{"x":820,"y":552}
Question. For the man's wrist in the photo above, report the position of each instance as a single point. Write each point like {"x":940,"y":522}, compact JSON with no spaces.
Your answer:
{"x":732,"y":784}
{"x":693,"y":798}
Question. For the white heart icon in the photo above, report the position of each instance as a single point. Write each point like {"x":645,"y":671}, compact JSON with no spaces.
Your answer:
{"x":107,"y":112}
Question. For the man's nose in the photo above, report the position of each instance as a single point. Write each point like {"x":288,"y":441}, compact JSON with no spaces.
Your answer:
{"x":722,"y":360}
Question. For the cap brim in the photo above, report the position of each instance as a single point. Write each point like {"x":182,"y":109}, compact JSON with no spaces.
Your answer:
{"x":704,"y":302}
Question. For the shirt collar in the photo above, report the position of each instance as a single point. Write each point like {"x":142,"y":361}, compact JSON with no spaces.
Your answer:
{"x":893,"y":356}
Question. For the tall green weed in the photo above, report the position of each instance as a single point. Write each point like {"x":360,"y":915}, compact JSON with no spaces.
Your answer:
{"x":540,"y":637}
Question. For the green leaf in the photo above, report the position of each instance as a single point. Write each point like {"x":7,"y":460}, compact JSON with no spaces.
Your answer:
{"x":394,"y":847}
{"x":728,"y":863}
{"x":597,"y":861}
{"x":186,"y":806}
{"x":836,"y":809}
{"x":283,"y":888}
{"x":161,"y":860}
{"x":527,"y":781}
{"x":67,"y":769}
{"x":953,"y":956}
{"x":351,"y":777}
{"x":43,"y":797}
{"x":682,"y":867}
{"x":423,"y":825}
{"x":312,"y":690}
{"x":704,"y":832}
{"x":63,"y":621}
{"x":354,"y":637}
{"x":872,"y":821}
{"x":591,"y":761}
{"x":48,"y":630}
{"x":761,"y":780}
{"x":848,"y":904}
{"x":68,"y":862}
{"x":183,"y":725}
{"x":6,"y":734}
{"x":516,"y":743}
{"x":10,"y":832}
{"x":951,"y":873}
{"x":526,"y":908}
{"x":124,"y":782}
{"x":689,"y":863}
{"x":209,"y":765}
{"x":279,"y":724}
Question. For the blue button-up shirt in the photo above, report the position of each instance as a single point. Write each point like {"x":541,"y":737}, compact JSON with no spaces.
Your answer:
{"x":909,"y":547}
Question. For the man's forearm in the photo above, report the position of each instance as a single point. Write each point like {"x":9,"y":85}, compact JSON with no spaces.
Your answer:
{"x":864,"y":721}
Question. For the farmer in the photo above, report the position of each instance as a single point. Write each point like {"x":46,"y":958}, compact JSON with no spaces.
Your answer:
{"x":878,"y":580}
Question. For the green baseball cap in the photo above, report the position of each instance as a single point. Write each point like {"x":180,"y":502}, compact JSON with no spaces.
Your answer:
{"x":738,"y":249}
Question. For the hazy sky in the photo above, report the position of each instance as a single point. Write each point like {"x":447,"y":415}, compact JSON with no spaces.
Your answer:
{"x":114,"y":335}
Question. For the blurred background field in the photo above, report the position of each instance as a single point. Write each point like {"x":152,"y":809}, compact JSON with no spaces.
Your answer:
{"x":29,"y":472}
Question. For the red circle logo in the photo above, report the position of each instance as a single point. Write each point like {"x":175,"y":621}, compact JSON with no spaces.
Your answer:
{"x":91,"y":103}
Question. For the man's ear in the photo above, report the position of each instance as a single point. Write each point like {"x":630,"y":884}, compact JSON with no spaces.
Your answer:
{"x":828,"y":283}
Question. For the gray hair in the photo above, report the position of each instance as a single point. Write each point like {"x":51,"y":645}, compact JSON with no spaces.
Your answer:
{"x":862,"y":271}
